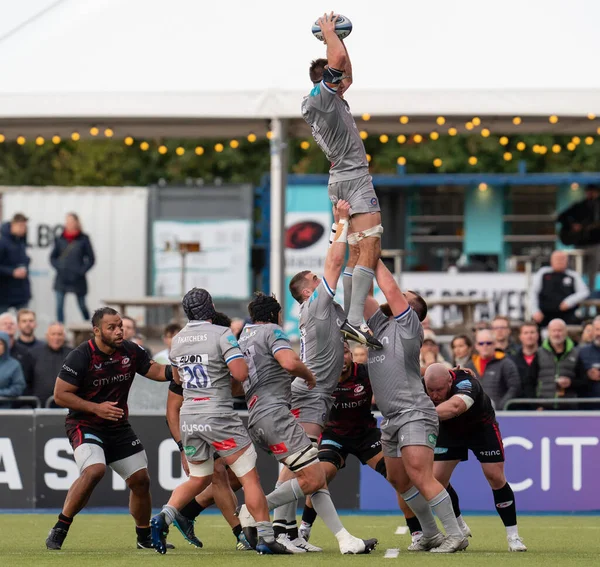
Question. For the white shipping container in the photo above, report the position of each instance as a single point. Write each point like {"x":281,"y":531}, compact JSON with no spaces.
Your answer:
{"x":115,"y":219}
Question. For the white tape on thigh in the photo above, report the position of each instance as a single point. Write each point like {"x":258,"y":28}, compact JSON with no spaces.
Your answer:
{"x":245,"y":462}
{"x":130,"y":465}
{"x":375,"y":231}
{"x":202,"y":469}
{"x":303,"y":458}
{"x":88,"y":454}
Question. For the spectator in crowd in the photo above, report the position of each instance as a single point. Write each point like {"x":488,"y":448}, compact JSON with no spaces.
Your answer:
{"x":130,"y":333}
{"x":48,"y":360}
{"x":588,"y":365}
{"x":15,"y":290}
{"x":482,"y":325}
{"x":8,"y":324}
{"x":462,"y":350}
{"x":502,"y":335}
{"x":27,"y":324}
{"x":430,"y":352}
{"x":12,"y":382}
{"x":557,"y":362}
{"x":236,"y":326}
{"x":426,"y":323}
{"x":556,"y":292}
{"x":72,"y":257}
{"x":526,"y":357}
{"x":162,"y":357}
{"x":360,"y":354}
{"x":498,"y":374}
{"x":587,"y":333}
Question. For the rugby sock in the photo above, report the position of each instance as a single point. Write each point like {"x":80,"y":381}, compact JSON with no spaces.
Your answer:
{"x":324,"y":507}
{"x":292,"y":530}
{"x":504,"y":498}
{"x":422,"y":510}
{"x":347,"y":281}
{"x":170,"y":513}
{"x":362,"y":280}
{"x":191,"y":510}
{"x":284,"y":493}
{"x":265,"y":531}
{"x":284,"y":516}
{"x":454,"y":497}
{"x":413,"y":525}
{"x":236,"y":531}
{"x":309,"y":515}
{"x":442,"y":506}
{"x":64,"y":522}
{"x":143,"y":533}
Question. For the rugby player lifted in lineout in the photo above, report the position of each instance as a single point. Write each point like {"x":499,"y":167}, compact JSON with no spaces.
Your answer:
{"x":335,"y":131}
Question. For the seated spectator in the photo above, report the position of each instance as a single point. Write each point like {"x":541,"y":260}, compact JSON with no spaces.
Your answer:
{"x":556,"y":292}
{"x":498,"y":374}
{"x":162,"y":357}
{"x":587,"y":333}
{"x":588,"y":366}
{"x":130,"y":333}
{"x":430,"y":352}
{"x":27,"y":324}
{"x":502,"y":331}
{"x":526,"y":358}
{"x":360,"y":354}
{"x":48,"y":360}
{"x":557,"y":362}
{"x":237,"y":326}
{"x":462,"y":350}
{"x":12,"y":382}
{"x":8,"y":324}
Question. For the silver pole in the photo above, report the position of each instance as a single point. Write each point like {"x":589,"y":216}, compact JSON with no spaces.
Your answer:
{"x":278,"y":188}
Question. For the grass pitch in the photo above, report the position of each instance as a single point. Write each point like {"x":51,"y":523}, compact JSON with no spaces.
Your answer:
{"x":99,"y":540}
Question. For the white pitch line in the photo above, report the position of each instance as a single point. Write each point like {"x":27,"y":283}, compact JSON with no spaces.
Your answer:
{"x":391,"y":553}
{"x":401,"y":530}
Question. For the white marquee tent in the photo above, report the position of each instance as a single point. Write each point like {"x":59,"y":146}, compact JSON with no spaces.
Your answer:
{"x":149,"y":68}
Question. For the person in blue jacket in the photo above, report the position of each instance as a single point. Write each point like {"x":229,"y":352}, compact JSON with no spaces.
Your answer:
{"x":12,"y":381}
{"x":72,"y":257}
{"x":15,"y":290}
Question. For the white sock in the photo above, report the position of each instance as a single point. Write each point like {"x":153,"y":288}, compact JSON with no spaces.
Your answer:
{"x":342,"y":535}
{"x":512,"y":531}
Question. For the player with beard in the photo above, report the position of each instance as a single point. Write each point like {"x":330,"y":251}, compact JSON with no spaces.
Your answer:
{"x":224,"y":482}
{"x":468,"y":421}
{"x":93,"y":384}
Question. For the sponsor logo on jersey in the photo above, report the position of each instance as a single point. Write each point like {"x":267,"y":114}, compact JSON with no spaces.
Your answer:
{"x":199,"y":427}
{"x":98,"y":366}
{"x":112,"y":379}
{"x":189,"y":450}
{"x":226,"y":445}
{"x":373,"y":201}
{"x":358,"y":389}
{"x":464,"y":385}
{"x":69,"y":369}
{"x":432,"y":438}
{"x":232,"y":341}
{"x":495,"y":453}
{"x":296,"y":413}
{"x":504,"y":504}
{"x":191,"y":338}
{"x":378,"y":359}
{"x":252,"y":401}
{"x":278,"y":449}
{"x":126,"y":361}
{"x":303,"y":234}
{"x":279,"y":334}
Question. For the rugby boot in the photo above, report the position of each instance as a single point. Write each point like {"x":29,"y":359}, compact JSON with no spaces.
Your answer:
{"x":242,"y":542}
{"x":515,"y":543}
{"x":361,"y":334}
{"x":55,"y":538}
{"x":271,"y":548}
{"x":452,"y":544}
{"x":186,"y":528}
{"x":356,"y":546}
{"x":427,"y":543}
{"x":303,"y":544}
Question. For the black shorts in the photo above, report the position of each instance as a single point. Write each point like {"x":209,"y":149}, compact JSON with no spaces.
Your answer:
{"x":335,"y":449}
{"x":117,"y":443}
{"x":485,"y":442}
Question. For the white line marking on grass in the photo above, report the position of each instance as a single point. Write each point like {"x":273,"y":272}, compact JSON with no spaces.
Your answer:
{"x":391,"y":553}
{"x":401,"y":530}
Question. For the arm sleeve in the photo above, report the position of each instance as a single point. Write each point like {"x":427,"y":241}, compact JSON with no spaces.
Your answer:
{"x":229,"y":347}
{"x":143,"y":362}
{"x":278,"y":340}
{"x":581,"y":290}
{"x":319,"y":303}
{"x":536,"y":288}
{"x":74,"y":367}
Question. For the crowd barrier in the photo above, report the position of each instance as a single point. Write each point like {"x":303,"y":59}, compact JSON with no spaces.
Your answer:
{"x":553,"y":459}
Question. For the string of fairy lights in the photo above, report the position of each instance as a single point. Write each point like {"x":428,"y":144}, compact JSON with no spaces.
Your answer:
{"x":472,"y":127}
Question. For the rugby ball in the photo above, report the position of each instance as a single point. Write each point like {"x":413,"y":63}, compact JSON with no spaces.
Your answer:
{"x":343,"y":27}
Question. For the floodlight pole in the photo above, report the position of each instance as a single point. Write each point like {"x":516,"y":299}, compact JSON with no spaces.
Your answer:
{"x":279,"y":163}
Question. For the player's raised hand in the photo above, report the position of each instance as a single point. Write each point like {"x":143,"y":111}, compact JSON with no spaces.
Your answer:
{"x":327,"y":22}
{"x":343,"y":209}
{"x":109,"y":411}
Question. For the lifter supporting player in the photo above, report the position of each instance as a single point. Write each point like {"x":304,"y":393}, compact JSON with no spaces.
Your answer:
{"x":334,"y":129}
{"x":468,"y":421}
{"x":94,"y":383}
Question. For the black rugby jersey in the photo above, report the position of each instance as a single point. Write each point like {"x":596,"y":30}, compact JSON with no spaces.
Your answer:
{"x":103,"y":377}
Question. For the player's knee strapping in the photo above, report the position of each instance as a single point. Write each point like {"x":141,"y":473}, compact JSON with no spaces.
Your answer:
{"x":330,"y":455}
{"x":245,"y":462}
{"x":202,"y":469}
{"x":301,"y":459}
{"x":380,"y":467}
{"x":375,"y":231}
